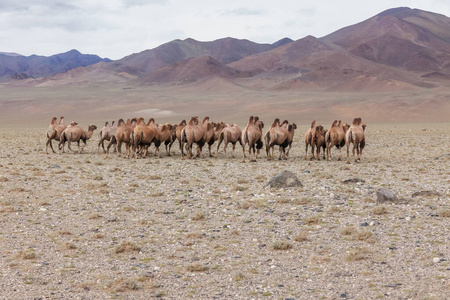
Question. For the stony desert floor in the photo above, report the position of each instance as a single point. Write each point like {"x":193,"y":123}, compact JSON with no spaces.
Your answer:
{"x":79,"y":226}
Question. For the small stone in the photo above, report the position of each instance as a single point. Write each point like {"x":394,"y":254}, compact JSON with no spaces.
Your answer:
{"x":436,"y":260}
{"x":112,"y":219}
{"x":353,"y":180}
{"x":386,"y":195}
{"x":364,"y":224}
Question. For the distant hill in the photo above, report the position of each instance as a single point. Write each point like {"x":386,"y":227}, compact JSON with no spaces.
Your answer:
{"x":19,"y":67}
{"x":224,"y":50}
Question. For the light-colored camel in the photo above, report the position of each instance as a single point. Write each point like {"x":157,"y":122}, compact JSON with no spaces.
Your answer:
{"x":308,"y":137}
{"x":335,"y":136}
{"x":355,"y":135}
{"x":277,"y":135}
{"x":54,"y":132}
{"x":194,"y":132}
{"x":107,"y":133}
{"x":229,"y":134}
{"x":143,"y":135}
{"x":252,"y":135}
{"x":74,"y":133}
{"x":318,"y":141}
{"x":123,"y":136}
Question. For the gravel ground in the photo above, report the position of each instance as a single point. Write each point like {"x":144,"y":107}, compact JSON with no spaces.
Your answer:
{"x":79,"y":226}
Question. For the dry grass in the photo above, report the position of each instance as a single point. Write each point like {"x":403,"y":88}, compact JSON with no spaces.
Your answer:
{"x":302,"y":236}
{"x":357,"y":253}
{"x":281,"y":245}
{"x":127,"y":246}
{"x":197,"y":267}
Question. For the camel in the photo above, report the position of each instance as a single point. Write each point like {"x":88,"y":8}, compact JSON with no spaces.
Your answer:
{"x":229,"y":134}
{"x":165,"y":133}
{"x":123,"y":135}
{"x":178,"y":134}
{"x":107,"y":133}
{"x":335,"y":136}
{"x":194,"y":132}
{"x":173,"y":137}
{"x":143,"y":135}
{"x":216,"y":133}
{"x":318,"y":141}
{"x":54,"y":132}
{"x":308,"y":137}
{"x":251,"y":135}
{"x":290,"y":136}
{"x":355,"y":135}
{"x":74,"y":133}
{"x":277,"y":134}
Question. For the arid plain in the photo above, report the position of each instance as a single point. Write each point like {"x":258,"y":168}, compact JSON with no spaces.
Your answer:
{"x":79,"y":226}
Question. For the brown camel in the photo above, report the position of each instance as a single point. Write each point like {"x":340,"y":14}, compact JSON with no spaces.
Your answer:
{"x":335,"y":136}
{"x":308,"y":137}
{"x":173,"y":137}
{"x":252,"y":135}
{"x":123,"y":136}
{"x":290,"y":136}
{"x":143,"y":136}
{"x":165,"y":132}
{"x":318,"y":141}
{"x":54,"y":132}
{"x":277,"y":134}
{"x":107,"y":133}
{"x":229,"y":134}
{"x":355,"y":135}
{"x":194,"y":132}
{"x":74,"y":133}
{"x":178,"y":134}
{"x":216,"y":133}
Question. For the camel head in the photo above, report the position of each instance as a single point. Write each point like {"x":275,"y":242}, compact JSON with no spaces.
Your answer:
{"x":294,"y":126}
{"x":364,"y":127}
{"x":92,"y":127}
{"x":260,"y":124}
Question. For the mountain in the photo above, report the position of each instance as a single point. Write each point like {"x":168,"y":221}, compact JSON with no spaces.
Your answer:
{"x":409,"y":39}
{"x":224,"y":50}
{"x":19,"y":67}
{"x":398,"y":49}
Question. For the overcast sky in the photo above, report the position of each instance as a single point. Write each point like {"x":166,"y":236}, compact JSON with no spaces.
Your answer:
{"x":117,"y":28}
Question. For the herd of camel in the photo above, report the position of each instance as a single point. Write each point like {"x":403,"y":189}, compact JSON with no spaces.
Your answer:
{"x":138,"y":136}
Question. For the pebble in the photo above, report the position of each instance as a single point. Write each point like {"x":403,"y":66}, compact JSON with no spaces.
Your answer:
{"x":436,"y":260}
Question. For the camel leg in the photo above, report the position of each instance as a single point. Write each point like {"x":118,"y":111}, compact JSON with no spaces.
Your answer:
{"x":348,"y":152}
{"x":306,"y":151}
{"x":234,"y":148}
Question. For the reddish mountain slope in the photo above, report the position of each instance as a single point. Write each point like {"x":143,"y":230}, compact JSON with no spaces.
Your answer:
{"x":224,"y":50}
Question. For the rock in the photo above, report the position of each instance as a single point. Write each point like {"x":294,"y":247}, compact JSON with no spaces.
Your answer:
{"x":386,"y":195}
{"x":284,"y":179}
{"x":426,"y":194}
{"x":436,"y":260}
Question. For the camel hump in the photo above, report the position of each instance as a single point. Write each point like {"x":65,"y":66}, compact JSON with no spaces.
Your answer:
{"x":53,"y":121}
{"x":251,"y":119}
{"x":313,"y":123}
{"x":334,"y":124}
{"x":356,"y":121}
{"x":276,"y":123}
